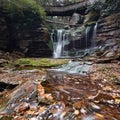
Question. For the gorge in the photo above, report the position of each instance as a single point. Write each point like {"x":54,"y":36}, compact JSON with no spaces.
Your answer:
{"x":76,"y":35}
{"x":59,"y":60}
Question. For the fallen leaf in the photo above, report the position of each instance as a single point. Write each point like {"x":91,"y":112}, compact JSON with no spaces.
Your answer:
{"x":79,"y":104}
{"x":76,"y":112}
{"x":107,"y":88}
{"x":117,"y":100}
{"x":41,"y":109}
{"x":99,"y":116}
{"x":30,"y":112}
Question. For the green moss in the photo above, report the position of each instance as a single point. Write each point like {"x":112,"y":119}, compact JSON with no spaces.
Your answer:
{"x":6,"y":118}
{"x":90,"y":23}
{"x":43,"y":62}
{"x":91,"y":17}
{"x":50,"y":45}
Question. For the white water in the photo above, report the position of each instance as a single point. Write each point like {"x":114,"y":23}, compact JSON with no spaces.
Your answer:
{"x":94,"y":35}
{"x":60,"y":41}
{"x":93,"y":38}
{"x":87,"y":37}
{"x":58,"y":47}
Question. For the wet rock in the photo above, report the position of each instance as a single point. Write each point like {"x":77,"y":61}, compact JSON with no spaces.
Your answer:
{"x":108,"y":32}
{"x":89,"y":117}
{"x":75,"y":67}
{"x":25,"y":92}
{"x":3,"y":61}
{"x":53,"y":112}
{"x":38,"y":49}
{"x":117,"y":80}
{"x":110,"y":54}
{"x":22,"y":107}
{"x":65,"y":85}
{"x":42,"y":97}
{"x":33,"y":118}
{"x":95,"y":107}
{"x":11,"y":56}
{"x":104,"y":60}
{"x":67,"y":27}
{"x":28,"y":89}
{"x":18,"y":77}
{"x":102,"y":97}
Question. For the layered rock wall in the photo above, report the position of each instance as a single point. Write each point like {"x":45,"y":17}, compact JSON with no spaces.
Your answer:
{"x":108,"y":34}
{"x":109,"y":28}
{"x":19,"y":38}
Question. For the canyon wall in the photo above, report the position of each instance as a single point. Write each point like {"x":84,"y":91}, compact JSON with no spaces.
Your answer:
{"x":108,"y":34}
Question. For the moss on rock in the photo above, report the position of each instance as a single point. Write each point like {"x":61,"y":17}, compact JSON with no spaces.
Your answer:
{"x":43,"y":62}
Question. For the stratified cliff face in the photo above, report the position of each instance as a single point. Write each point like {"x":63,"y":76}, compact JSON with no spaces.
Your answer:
{"x":109,"y":28}
{"x":108,"y":34}
{"x":107,"y":41}
{"x":24,"y":39}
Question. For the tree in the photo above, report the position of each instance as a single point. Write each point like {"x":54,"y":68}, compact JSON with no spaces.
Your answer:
{"x":18,"y":15}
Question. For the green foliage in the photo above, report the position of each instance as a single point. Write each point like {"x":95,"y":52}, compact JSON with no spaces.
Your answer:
{"x":21,"y":8}
{"x":90,"y":23}
{"x":91,"y":18}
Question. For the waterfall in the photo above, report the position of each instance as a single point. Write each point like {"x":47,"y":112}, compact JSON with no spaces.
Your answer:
{"x":65,"y":42}
{"x":87,"y":36}
{"x":90,"y":36}
{"x":64,"y":46}
{"x":94,"y":35}
{"x":57,"y":44}
{"x":60,"y":40}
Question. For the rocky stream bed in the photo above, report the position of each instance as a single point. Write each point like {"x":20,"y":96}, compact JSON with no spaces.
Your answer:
{"x":48,"y":91}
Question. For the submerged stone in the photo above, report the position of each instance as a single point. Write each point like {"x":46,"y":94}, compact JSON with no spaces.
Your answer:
{"x":71,"y":82}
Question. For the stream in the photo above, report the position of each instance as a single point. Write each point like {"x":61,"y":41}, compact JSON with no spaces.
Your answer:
{"x":72,"y":91}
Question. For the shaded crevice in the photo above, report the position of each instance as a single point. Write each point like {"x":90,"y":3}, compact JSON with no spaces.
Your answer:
{"x":4,"y":86}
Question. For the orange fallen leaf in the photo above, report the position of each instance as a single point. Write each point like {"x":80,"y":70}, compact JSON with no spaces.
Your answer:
{"x":30,"y":112}
{"x":41,"y":109}
{"x":79,"y":104}
{"x":107,"y":88}
{"x":99,"y":116}
{"x":117,"y":100}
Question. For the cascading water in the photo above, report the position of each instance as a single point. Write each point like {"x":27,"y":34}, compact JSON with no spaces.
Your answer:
{"x":87,"y":36}
{"x":94,"y":35}
{"x":65,"y":42}
{"x":57,"y":44}
{"x":63,"y":47}
{"x":59,"y":39}
{"x":90,"y":36}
